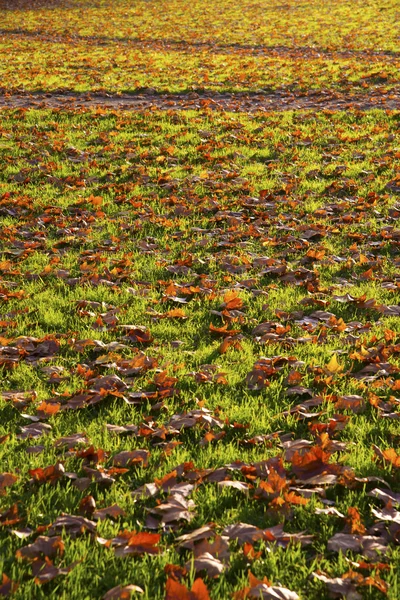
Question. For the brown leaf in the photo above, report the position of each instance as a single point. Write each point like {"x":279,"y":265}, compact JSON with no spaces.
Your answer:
{"x":218,"y":548}
{"x":250,"y":553}
{"x":175,"y":313}
{"x":272,"y":592}
{"x":263,"y":370}
{"x":176,"y":508}
{"x":92,"y":455}
{"x":137,"y":334}
{"x":6,"y":480}
{"x":120,"y":592}
{"x":113,"y":511}
{"x":339,"y":587}
{"x":351,"y":402}
{"x":175,"y":571}
{"x":42,"y":547}
{"x":370,"y":546}
{"x":387,"y":514}
{"x":70,"y":441}
{"x":10,"y":516}
{"x":34,"y":430}
{"x":346,"y":586}
{"x":19,"y":400}
{"x":72,"y":524}
{"x":129,"y":458}
{"x":47,"y":409}
{"x":241,"y":486}
{"x":243,"y":532}
{"x":44,"y":570}
{"x":87,"y":506}
{"x":313,"y":464}
{"x":7,"y":586}
{"x":264,"y":589}
{"x":387,"y":496}
{"x":188,"y":539}
{"x":208,"y":563}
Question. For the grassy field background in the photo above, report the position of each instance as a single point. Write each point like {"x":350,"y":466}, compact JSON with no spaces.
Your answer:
{"x":176,"y":46}
{"x":199,"y":327}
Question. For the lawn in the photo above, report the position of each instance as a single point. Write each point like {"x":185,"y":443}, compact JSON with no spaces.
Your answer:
{"x":200,"y":309}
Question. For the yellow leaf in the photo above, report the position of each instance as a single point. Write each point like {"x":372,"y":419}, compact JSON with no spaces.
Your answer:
{"x":334,"y":366}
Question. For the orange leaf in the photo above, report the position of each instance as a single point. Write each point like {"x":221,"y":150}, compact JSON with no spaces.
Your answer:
{"x":95,"y":200}
{"x":178,"y":591}
{"x":48,"y":409}
{"x":176,"y":313}
{"x":232,"y":300}
{"x":391,"y":456}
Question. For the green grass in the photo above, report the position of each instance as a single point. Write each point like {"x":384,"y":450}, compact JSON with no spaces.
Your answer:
{"x":111,"y":221}
{"x":179,"y":46}
{"x":167,"y":183}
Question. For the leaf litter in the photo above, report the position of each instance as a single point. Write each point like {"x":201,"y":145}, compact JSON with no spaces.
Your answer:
{"x":199,"y":328}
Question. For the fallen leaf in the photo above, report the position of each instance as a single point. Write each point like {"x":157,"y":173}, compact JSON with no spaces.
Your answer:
{"x":120,"y":592}
{"x":174,"y":590}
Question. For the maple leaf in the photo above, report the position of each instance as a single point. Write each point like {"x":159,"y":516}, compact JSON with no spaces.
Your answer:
{"x":174,"y":590}
{"x":34,"y":430}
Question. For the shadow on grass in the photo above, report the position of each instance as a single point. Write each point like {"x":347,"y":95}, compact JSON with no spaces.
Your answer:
{"x":310,"y":52}
{"x":19,"y":5}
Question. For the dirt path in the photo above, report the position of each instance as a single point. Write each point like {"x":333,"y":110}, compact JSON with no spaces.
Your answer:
{"x":236,"y":102}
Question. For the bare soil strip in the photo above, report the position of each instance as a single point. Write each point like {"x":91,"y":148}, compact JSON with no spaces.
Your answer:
{"x":149,"y":99}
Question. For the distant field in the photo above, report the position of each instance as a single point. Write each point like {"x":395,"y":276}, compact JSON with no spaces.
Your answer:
{"x":174,"y":46}
{"x":199,"y":309}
